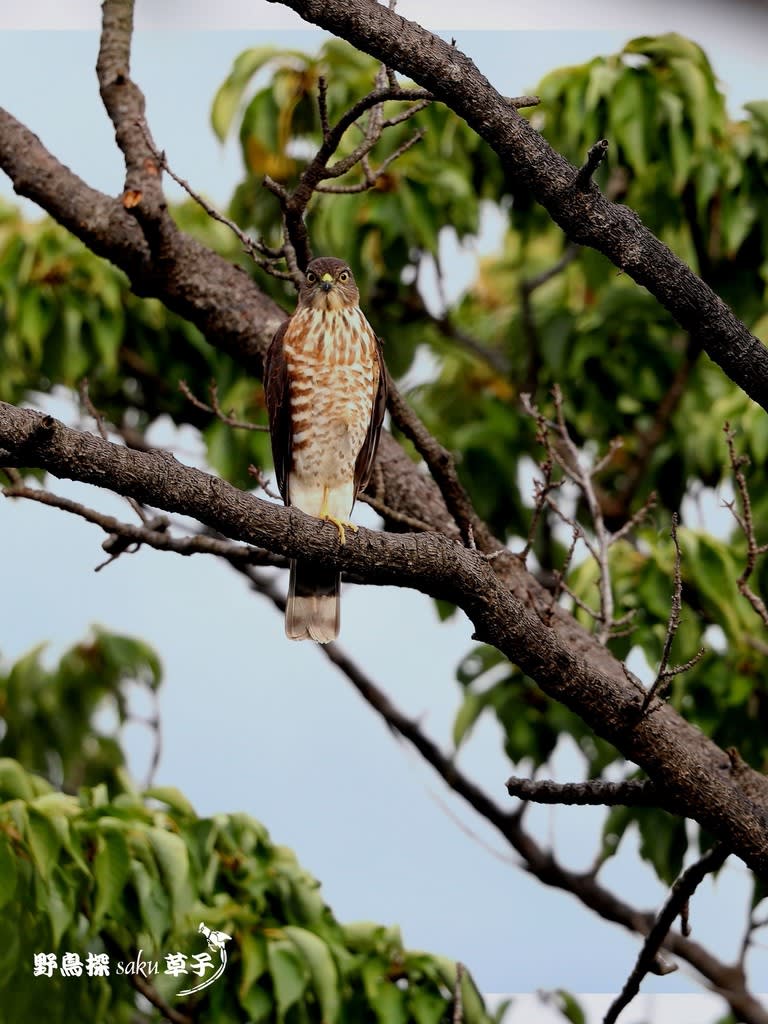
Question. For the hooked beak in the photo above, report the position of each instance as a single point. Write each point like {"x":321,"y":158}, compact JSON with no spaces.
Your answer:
{"x":326,"y":286}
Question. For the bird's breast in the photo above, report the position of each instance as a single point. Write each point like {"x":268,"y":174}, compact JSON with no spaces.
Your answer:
{"x":334,"y":338}
{"x":333,"y":377}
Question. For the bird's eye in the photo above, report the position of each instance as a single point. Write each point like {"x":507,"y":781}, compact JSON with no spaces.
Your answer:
{"x":344,"y":276}
{"x":311,"y":278}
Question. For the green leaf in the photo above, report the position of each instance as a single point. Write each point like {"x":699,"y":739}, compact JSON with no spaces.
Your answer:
{"x":44,"y":842}
{"x":173,"y":798}
{"x":258,"y":1004}
{"x":602,"y":78}
{"x":445,"y":610}
{"x":471,"y":708}
{"x":569,"y":1007}
{"x":253,"y":955}
{"x":479,"y":661}
{"x":229,"y":96}
{"x":663,"y":842}
{"x":61,"y":905}
{"x":111,"y":868}
{"x":669,"y":45}
{"x":288,"y":972}
{"x":15,"y":784}
{"x":322,"y":970}
{"x":173,"y":860}
{"x":426,"y":1007}
{"x":628,"y":115}
{"x":153,"y":903}
{"x":8,"y":870}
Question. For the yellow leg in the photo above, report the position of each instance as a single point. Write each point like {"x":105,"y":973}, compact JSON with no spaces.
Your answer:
{"x":338,"y":523}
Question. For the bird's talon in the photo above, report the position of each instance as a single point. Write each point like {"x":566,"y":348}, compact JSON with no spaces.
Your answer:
{"x":340,"y":524}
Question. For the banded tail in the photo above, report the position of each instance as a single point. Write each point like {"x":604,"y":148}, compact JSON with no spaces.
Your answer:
{"x":313,"y":609}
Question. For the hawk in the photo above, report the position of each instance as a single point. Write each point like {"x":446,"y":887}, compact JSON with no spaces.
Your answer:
{"x":326,"y":391}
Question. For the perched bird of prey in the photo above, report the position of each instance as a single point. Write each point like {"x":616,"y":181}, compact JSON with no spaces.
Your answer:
{"x":326,"y":391}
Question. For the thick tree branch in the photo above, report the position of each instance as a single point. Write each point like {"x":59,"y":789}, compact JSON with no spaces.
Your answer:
{"x":585,"y":215}
{"x":240,"y":320}
{"x":695,"y":773}
{"x":219,"y":298}
{"x":537,"y":861}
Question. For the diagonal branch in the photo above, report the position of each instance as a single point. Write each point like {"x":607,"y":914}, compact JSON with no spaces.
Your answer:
{"x":681,"y":892}
{"x":319,"y":169}
{"x":586,"y":216}
{"x":694,"y":771}
{"x":747,"y":526}
{"x":442,"y":466}
{"x":537,"y":861}
{"x":193,"y":281}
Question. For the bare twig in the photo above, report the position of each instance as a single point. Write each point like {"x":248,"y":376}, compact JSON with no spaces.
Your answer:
{"x":258,"y":475}
{"x":562,"y":452}
{"x":371,"y":176}
{"x":322,"y":106}
{"x":441,"y":465}
{"x":746,"y":523}
{"x":631,"y":793}
{"x":595,"y":157}
{"x":145,"y":987}
{"x":680,"y":894}
{"x":458,"y":1002}
{"x":85,"y":400}
{"x":261,"y":254}
{"x":319,"y":168}
{"x":236,"y":554}
{"x":215,"y":409}
{"x":665,"y":673}
{"x":523,"y":101}
{"x":559,"y":579}
{"x":392,"y":515}
{"x":675,"y":607}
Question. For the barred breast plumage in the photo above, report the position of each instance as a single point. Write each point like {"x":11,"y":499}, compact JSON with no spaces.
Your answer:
{"x":333,"y":376}
{"x":326,"y":393}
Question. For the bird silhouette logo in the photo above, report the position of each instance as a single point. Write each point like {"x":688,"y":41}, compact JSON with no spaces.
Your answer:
{"x":217,"y":944}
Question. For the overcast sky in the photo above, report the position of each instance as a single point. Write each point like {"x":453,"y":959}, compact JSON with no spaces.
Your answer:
{"x":302,"y":753}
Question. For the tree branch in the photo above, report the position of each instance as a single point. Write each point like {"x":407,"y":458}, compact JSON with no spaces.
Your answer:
{"x":746,"y":525}
{"x":124,"y":102}
{"x":586,"y":216}
{"x":681,"y":892}
{"x":631,"y":793}
{"x":219,"y":298}
{"x":694,"y":772}
{"x":151,"y":535}
{"x":537,"y":861}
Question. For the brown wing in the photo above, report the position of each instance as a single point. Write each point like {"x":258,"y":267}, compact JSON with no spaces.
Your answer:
{"x":277,"y":395}
{"x":364,"y":463}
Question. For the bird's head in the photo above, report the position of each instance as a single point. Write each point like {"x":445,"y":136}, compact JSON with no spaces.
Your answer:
{"x":328,"y":285}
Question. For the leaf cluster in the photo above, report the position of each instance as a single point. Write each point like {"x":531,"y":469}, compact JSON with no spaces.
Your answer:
{"x":112,"y":869}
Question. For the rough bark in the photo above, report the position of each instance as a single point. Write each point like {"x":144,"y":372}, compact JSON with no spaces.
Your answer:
{"x":694,"y":773}
{"x":584,"y":214}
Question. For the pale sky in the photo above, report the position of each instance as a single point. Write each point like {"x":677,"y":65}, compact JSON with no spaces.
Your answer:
{"x":251,"y":721}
